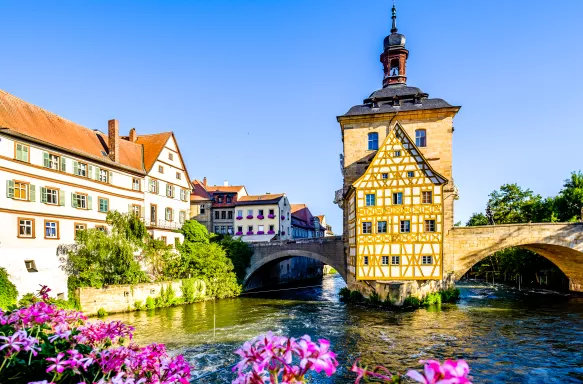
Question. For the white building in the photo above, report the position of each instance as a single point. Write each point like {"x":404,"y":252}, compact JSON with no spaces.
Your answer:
{"x":61,"y":177}
{"x":263,"y":217}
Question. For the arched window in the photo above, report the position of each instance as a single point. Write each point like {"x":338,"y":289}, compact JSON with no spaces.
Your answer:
{"x":420,"y":138}
{"x":373,"y":141}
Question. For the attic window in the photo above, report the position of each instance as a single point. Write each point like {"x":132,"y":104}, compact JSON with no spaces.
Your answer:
{"x":417,"y":99}
{"x":160,"y":169}
{"x":170,"y":156}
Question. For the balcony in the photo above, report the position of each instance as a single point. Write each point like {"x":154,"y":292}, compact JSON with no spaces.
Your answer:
{"x":163,"y":224}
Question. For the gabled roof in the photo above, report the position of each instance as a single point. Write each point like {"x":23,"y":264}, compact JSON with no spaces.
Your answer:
{"x":271,"y":198}
{"x":226,"y":189}
{"x":22,"y":119}
{"x":301,"y":216}
{"x":153,"y":145}
{"x":384,"y":158}
{"x":199,"y":193}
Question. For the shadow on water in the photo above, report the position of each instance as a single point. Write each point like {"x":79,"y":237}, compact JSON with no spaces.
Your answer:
{"x":507,"y":336}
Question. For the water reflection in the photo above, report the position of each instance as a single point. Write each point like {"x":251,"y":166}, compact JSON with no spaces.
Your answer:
{"x":506,"y":335}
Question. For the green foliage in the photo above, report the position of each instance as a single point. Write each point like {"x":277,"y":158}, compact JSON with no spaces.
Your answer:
{"x":27,"y":299}
{"x":355,"y":297}
{"x":101,"y":312}
{"x":570,"y":200}
{"x":434,"y":298}
{"x":477,"y":219}
{"x":8,"y":292}
{"x":344,"y":294}
{"x":160,"y":258}
{"x":138,"y":305}
{"x":239,"y":252}
{"x":450,"y":295}
{"x":150,"y":303}
{"x":192,"y":290}
{"x":412,"y":302}
{"x":99,"y":258}
{"x":374,"y":299}
{"x":195,"y":233}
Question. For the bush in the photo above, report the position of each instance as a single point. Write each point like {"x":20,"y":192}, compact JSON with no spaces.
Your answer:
{"x":412,"y":302}
{"x":356,"y":297}
{"x":450,"y":295}
{"x":138,"y":305}
{"x":8,"y":292}
{"x":101,"y":312}
{"x":344,"y":294}
{"x":374,"y":299}
{"x":150,"y":303}
{"x":432,"y":299}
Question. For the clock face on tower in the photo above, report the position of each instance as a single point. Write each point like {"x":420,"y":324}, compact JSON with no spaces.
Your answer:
{"x":394,"y":71}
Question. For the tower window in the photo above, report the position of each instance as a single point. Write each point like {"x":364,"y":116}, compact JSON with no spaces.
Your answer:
{"x":394,"y":67}
{"x":385,"y":260}
{"x":405,"y":226}
{"x":426,"y":197}
{"x":370,"y":200}
{"x":373,"y":141}
{"x":420,"y":138}
{"x":385,"y":176}
{"x":397,"y":154}
{"x":395,"y":260}
{"x":366,"y":227}
{"x":398,"y":198}
{"x":427,"y":260}
{"x":411,"y":174}
{"x":365,"y":261}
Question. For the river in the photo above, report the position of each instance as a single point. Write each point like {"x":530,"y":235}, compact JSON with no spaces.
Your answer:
{"x":506,"y":335}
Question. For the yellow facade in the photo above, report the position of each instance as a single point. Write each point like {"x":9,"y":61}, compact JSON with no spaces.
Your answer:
{"x":396,"y":214}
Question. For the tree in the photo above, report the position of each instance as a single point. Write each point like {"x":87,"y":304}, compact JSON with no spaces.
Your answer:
{"x":239,"y":252}
{"x":570,"y":200}
{"x":100,"y":258}
{"x":477,"y":219}
{"x":8,"y":292}
{"x":511,"y":204}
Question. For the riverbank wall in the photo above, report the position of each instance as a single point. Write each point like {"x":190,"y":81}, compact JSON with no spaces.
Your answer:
{"x":126,"y":298}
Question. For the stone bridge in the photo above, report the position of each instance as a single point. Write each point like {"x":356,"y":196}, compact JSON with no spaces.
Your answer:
{"x":328,"y":250}
{"x":561,"y":243}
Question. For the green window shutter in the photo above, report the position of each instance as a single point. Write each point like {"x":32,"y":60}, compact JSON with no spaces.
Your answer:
{"x":63,"y":164}
{"x":31,"y":193}
{"x":62,"y":198}
{"x":9,"y":188}
{"x":25,"y":153}
{"x":18,"y":152}
{"x":97,"y":171}
{"x":73,"y":200}
{"x":90,"y":174}
{"x":89,"y":204}
{"x":43,"y":195}
{"x":173,"y":188}
{"x":46,"y":159}
{"x":110,"y":178}
{"x":75,"y":167}
{"x":158,"y":187}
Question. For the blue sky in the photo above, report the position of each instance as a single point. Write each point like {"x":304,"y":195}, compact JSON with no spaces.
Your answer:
{"x":252,"y":88}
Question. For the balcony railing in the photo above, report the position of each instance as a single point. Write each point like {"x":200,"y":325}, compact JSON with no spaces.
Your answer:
{"x":163,"y":224}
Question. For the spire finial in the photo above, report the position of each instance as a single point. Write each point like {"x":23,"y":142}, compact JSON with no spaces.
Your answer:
{"x":394,"y":17}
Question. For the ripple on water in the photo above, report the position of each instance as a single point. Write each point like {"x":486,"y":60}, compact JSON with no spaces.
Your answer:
{"x":507,"y":336}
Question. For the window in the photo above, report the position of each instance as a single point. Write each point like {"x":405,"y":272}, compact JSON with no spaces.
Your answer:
{"x":229,"y":230}
{"x":220,"y":199}
{"x":385,"y":176}
{"x":153,"y":186}
{"x":373,"y":141}
{"x":370,"y":200}
{"x":382,"y":227}
{"x":26,"y":227}
{"x":249,"y":212}
{"x":217,"y":213}
{"x":170,"y":156}
{"x":30,"y":265}
{"x":51,"y":161}
{"x":240,"y":229}
{"x":136,"y":210}
{"x":153,"y":213}
{"x":169,"y":214}
{"x":420,"y":138}
{"x":429,"y":225}
{"x":411,"y":174}
{"x":49,"y":196}
{"x":365,"y":260}
{"x":182,"y":217}
{"x":160,"y":169}
{"x":230,"y":215}
{"x":250,"y":228}
{"x":229,"y":199}
{"x":104,"y":175}
{"x":239,"y":213}
{"x":260,"y":212}
{"x":427,"y":260}
{"x":397,"y":154}
{"x":21,"y":190}
{"x":202,"y":209}
{"x":272,"y":228}
{"x":272,"y":212}
{"x":51,"y":229}
{"x":182,"y":194}
{"x":179,"y":175}
{"x":80,"y":169}
{"x":79,"y":227}
{"x":395,"y":260}
{"x":366,"y":227}
{"x":426,"y":197}
{"x":398,"y":198}
{"x":385,"y":260}
{"x":260,"y":228}
{"x":169,"y":190}
{"x":164,"y":239}
{"x":217,"y":228}
{"x":405,"y":226}
{"x":22,"y":152}
{"x":103,"y":205}
{"x":136,"y":184}
{"x":223,"y":215}
{"x":81,"y":201}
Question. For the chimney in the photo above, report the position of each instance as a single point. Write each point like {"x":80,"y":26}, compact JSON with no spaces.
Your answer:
{"x":226,"y":183}
{"x":133,"y":135}
{"x":113,"y":139}
{"x":204,"y":182}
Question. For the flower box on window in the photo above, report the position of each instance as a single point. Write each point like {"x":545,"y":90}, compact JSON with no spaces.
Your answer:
{"x":271,"y":232}
{"x":271,"y":216}
{"x":260,"y":232}
{"x":283,"y":217}
{"x":261,"y":217}
{"x":239,"y":233}
{"x":249,"y":216}
{"x":239,"y":217}
{"x":249,"y":232}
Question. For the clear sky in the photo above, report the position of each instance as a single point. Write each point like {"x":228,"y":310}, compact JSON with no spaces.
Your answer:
{"x":252,"y":88}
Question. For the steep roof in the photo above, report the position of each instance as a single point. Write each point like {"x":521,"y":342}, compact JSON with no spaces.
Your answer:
{"x":20,"y":118}
{"x":271,"y":198}
{"x":225,"y":189}
{"x":153,"y":145}
{"x":199,"y":192}
{"x":301,"y":216}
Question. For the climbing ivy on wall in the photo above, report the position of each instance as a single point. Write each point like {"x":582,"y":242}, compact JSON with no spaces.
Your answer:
{"x":8,"y":292}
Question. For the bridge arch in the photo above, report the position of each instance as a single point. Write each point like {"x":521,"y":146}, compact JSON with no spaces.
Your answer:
{"x":561,"y":243}
{"x":329,"y":251}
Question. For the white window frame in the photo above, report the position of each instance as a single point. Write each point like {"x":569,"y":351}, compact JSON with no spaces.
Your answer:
{"x":426,"y":260}
{"x":405,"y":224}
{"x":26,"y":223}
{"x":49,"y":192}
{"x":395,"y":260}
{"x":54,"y":228}
{"x":81,"y":201}
{"x":384,"y":260}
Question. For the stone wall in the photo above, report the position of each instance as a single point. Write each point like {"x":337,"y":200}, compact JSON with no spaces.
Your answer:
{"x":121,"y":298}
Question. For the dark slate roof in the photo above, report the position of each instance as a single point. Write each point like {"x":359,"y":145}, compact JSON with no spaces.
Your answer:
{"x":396,"y":98}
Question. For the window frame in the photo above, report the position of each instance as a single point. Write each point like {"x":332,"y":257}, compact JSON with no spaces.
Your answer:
{"x":32,"y":225}
{"x":46,"y":198}
{"x":410,"y":174}
{"x":107,"y":181}
{"x":170,"y":156}
{"x":75,"y":230}
{"x":86,"y":207}
{"x":79,"y":164}
{"x":383,"y":258}
{"x":160,"y":169}
{"x":365,"y":260}
{"x":178,"y":175}
{"x":423,"y":260}
{"x":139,"y":184}
{"x":366,"y":200}
{"x":397,"y":153}
{"x":405,"y":224}
{"x":379,"y":228}
{"x":58,"y":161}
{"x":421,"y":138}
{"x":395,"y":200}
{"x":99,"y":198}
{"x":373,"y":141}
{"x":57,"y":229}
{"x":396,"y":258}
{"x":16,"y":144}
{"x":364,"y":226}
{"x":25,"y":183}
{"x":171,"y":211}
{"x":427,"y":225}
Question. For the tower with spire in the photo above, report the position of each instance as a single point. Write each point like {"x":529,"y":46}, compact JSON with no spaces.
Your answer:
{"x":398,"y":189}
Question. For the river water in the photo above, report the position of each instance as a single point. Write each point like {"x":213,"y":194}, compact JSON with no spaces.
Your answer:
{"x":506,"y":335}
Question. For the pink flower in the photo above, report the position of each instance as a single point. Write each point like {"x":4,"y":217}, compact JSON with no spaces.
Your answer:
{"x":451,"y":372}
{"x":58,"y":365}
